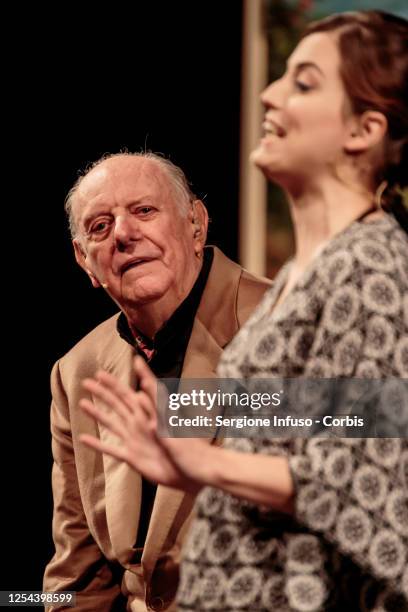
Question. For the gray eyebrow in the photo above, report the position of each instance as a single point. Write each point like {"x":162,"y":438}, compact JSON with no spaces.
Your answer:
{"x":93,"y":216}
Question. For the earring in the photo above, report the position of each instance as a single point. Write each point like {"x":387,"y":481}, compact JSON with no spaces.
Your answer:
{"x":379,"y":194}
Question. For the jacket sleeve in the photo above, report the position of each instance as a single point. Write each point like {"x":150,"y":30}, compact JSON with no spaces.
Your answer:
{"x":249,"y":296}
{"x":78,"y":564}
{"x":354,"y":491}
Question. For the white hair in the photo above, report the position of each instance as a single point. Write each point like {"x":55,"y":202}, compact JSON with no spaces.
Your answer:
{"x":183,"y":195}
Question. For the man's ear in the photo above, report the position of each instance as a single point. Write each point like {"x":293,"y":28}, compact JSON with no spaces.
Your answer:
{"x":80,"y":256}
{"x":200,"y":222}
{"x":366,"y":132}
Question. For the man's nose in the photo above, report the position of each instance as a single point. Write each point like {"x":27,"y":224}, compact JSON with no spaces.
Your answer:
{"x":126,"y":230}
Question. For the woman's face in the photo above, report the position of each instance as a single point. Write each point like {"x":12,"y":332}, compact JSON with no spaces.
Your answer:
{"x":307,"y":115}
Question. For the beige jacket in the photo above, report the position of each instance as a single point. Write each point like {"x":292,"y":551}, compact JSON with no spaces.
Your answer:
{"x":96,"y":498}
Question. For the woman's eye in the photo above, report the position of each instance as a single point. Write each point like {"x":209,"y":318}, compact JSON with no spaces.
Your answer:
{"x":145,"y":210}
{"x":301,"y":86}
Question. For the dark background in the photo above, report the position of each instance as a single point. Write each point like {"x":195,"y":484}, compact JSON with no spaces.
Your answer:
{"x":164,"y":76}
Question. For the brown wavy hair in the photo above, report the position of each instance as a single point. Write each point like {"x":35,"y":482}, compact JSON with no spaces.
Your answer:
{"x":373,"y":48}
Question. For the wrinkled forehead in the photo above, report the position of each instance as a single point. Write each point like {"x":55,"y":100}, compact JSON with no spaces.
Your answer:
{"x":120,"y":181}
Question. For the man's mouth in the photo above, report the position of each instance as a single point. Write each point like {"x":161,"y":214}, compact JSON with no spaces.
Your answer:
{"x":133,"y":263}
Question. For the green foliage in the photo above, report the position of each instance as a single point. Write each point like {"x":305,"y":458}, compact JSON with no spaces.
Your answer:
{"x":285,"y":21}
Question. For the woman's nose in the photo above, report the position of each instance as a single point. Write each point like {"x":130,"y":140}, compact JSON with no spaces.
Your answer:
{"x":272,"y":95}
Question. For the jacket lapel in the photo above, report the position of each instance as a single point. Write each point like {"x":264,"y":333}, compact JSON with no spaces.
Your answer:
{"x":122,"y":484}
{"x":214,"y":326}
{"x":170,"y":505}
{"x":202,"y":355}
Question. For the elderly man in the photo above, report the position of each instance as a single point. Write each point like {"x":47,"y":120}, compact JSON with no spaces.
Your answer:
{"x":139,"y":233}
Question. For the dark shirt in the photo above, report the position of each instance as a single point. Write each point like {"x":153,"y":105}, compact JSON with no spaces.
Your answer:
{"x":165,"y":356}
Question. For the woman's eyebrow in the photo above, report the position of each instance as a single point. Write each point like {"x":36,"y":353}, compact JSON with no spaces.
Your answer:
{"x":303,"y":65}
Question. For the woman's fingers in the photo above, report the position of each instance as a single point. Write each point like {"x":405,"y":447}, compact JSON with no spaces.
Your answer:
{"x":107,"y":419}
{"x":148,"y":381}
{"x":119,"y":452}
{"x":132,"y":400}
{"x":107,"y":396}
{"x":126,"y":394}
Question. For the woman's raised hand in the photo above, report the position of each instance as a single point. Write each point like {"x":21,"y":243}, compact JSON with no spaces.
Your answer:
{"x":132,"y":417}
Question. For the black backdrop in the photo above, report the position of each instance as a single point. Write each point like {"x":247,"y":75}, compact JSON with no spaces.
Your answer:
{"x":164,"y":76}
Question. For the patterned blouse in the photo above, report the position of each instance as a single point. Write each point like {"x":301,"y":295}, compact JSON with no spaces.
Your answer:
{"x":346,"y":547}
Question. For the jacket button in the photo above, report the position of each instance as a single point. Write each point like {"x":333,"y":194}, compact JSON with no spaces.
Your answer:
{"x":157,"y":603}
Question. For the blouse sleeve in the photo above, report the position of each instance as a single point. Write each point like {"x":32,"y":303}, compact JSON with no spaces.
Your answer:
{"x":354,"y":491}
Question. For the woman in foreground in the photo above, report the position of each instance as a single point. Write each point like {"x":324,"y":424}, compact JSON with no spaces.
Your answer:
{"x":320,"y":523}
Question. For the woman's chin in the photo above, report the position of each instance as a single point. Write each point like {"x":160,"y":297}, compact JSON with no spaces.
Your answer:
{"x":259,"y":157}
{"x":263,"y":157}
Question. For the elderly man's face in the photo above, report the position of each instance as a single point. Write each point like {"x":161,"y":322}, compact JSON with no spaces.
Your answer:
{"x":133,"y":238}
